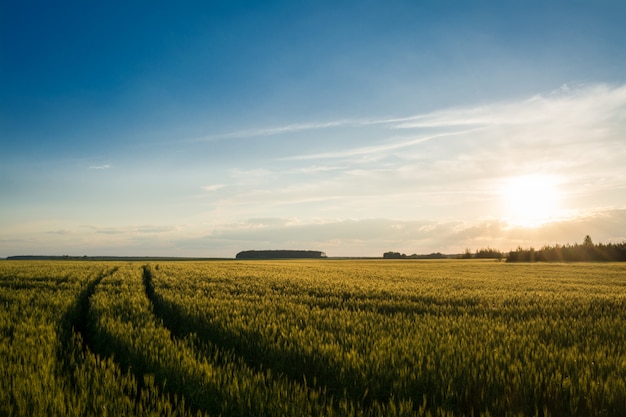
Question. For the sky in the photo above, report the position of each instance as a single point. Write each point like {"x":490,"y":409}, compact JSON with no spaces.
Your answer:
{"x":351,"y":127}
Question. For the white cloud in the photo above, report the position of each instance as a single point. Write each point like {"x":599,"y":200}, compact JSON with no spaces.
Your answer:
{"x":578,"y":106}
{"x":372,"y":237}
{"x":391,"y":144}
{"x":131,"y":230}
{"x":100,"y":167}
{"x":275,"y":130}
{"x":213,"y":187}
{"x":335,"y":236}
{"x":576,"y":134}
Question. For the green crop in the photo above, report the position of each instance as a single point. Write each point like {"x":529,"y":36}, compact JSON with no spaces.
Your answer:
{"x":312,"y":338}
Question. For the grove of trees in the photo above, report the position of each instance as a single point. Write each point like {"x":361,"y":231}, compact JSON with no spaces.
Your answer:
{"x":585,"y":252}
{"x":279,"y":254}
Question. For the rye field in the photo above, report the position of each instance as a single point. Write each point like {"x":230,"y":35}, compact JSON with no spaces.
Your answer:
{"x":312,"y":338}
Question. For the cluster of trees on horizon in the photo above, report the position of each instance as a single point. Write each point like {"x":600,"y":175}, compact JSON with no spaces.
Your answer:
{"x":398,"y":255}
{"x":585,"y":252}
{"x":279,"y":254}
{"x":487,"y":253}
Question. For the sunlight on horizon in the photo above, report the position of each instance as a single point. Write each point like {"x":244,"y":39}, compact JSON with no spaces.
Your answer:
{"x":531,"y":200}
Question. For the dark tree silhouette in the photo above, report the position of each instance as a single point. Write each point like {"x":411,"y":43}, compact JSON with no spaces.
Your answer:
{"x":585,"y":252}
{"x":279,"y":254}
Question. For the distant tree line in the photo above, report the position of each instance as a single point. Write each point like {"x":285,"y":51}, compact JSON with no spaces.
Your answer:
{"x":102,"y":258}
{"x":398,"y":255}
{"x":279,"y":254}
{"x":485,"y":253}
{"x":585,"y":252}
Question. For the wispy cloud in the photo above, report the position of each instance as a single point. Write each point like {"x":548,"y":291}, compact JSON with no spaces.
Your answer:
{"x":374,"y":236}
{"x":573,"y":105}
{"x":455,"y":171}
{"x":213,"y":187}
{"x":301,"y":127}
{"x":391,"y":144}
{"x":562,"y":126}
{"x":565,"y":103}
{"x":336,"y":236}
{"x":61,"y":232}
{"x":132,"y":230}
{"x":274,"y":130}
{"x":100,"y":167}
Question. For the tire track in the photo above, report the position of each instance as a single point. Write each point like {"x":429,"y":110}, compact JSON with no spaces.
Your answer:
{"x":75,"y":321}
{"x":74,"y":335}
{"x":82,"y":341}
{"x":296,"y":368}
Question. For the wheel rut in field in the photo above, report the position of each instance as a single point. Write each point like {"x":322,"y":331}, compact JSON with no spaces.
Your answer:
{"x":199,"y":396}
{"x":80,"y":336}
{"x":74,"y":325}
{"x":297,"y":368}
{"x":76,"y":318}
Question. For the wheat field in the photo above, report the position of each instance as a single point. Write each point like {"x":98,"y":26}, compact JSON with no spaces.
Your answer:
{"x":312,"y":338}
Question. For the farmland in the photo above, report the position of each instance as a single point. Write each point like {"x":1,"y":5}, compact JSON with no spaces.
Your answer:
{"x":312,"y":338}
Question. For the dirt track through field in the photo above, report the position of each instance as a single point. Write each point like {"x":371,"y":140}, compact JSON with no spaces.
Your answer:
{"x":297,"y":368}
{"x":75,"y":325}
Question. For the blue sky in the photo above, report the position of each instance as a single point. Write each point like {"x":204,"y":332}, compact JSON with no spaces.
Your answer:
{"x":206,"y":128}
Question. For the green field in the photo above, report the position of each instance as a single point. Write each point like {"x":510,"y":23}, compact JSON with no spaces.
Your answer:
{"x":314,"y":337}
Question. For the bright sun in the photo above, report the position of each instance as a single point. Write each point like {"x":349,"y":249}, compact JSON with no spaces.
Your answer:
{"x":531,"y":200}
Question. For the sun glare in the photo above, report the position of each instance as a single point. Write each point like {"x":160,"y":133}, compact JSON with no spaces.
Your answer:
{"x":531,"y":200}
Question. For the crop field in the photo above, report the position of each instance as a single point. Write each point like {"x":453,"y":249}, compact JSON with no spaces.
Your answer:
{"x":312,"y":338}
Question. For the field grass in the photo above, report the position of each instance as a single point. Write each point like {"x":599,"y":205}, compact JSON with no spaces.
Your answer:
{"x":312,"y":338}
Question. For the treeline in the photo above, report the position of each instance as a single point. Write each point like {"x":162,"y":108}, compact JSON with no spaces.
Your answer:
{"x":585,"y":252}
{"x":102,"y":258}
{"x":398,"y":255}
{"x":485,"y":253}
{"x":279,"y":254}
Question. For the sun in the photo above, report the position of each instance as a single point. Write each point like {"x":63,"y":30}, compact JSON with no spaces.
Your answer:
{"x":531,"y":200}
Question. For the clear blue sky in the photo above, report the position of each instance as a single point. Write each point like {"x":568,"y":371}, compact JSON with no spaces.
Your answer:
{"x":206,"y":128}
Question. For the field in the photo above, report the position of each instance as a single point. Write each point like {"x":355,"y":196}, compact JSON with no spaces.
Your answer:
{"x":312,"y":338}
